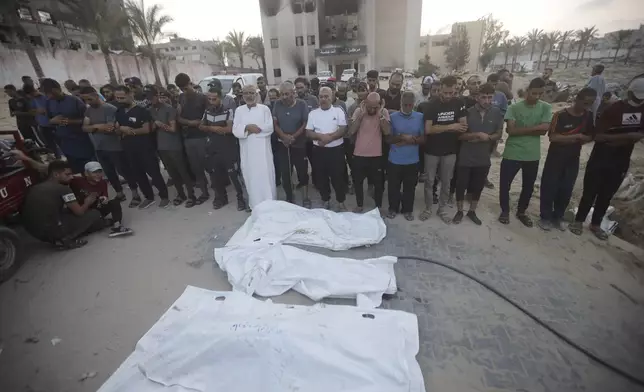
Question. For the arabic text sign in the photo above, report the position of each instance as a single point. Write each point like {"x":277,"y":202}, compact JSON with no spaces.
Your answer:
{"x":361,"y":49}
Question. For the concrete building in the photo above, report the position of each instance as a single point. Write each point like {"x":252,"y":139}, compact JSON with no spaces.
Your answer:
{"x":303,"y":37}
{"x":434,"y":45}
{"x":37,"y":18}
{"x":197,"y":50}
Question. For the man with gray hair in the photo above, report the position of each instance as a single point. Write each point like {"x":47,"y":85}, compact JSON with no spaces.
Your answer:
{"x":290,"y":115}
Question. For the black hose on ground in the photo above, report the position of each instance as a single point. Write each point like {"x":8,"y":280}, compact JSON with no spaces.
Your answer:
{"x":558,"y":334}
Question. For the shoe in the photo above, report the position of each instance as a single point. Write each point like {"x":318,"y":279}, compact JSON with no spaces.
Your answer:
{"x":409,"y":216}
{"x":191,"y":202}
{"x":443,"y":215}
{"x":241,"y":205}
{"x":164,"y":203}
{"x":458,"y":217}
{"x":474,"y":218}
{"x":217,"y":203}
{"x":135,"y":202}
{"x":178,"y":200}
{"x":120,"y":197}
{"x":358,"y":210}
{"x":146,"y":203}
{"x":559,"y":225}
{"x":202,"y":199}
{"x":425,"y":215}
{"x":545,"y":225}
{"x":120,"y":232}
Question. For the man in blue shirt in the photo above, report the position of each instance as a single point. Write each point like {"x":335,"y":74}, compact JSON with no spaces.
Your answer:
{"x":67,"y":113}
{"x":38,"y":106}
{"x":407,"y":130}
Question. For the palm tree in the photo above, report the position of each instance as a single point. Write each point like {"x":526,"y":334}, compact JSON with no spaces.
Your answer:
{"x":563,"y":38}
{"x":146,"y":24}
{"x":553,"y":40}
{"x":98,"y":17}
{"x":255,"y":48}
{"x":585,"y":36}
{"x":517,"y":45}
{"x":219,"y":49}
{"x":543,"y":44}
{"x":9,"y":10}
{"x":620,"y":37}
{"x":571,"y":46}
{"x":237,"y":41}
{"x":506,"y":47}
{"x":534,"y":37}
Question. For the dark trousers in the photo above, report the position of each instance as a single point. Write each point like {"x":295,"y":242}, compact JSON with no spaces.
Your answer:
{"x":70,"y":227}
{"x":28,"y":131}
{"x":112,"y":207}
{"x":197,"y":159}
{"x":557,"y":182}
{"x":225,"y":168}
{"x":348,"y":157}
{"x":509,"y":170}
{"x":311,"y":157}
{"x":472,"y":181}
{"x":176,"y":164}
{"x":298,"y":161}
{"x":115,"y":162}
{"x":407,"y":176}
{"x":370,"y":168}
{"x":143,"y":163}
{"x":328,"y":164}
{"x":600,"y":185}
{"x":276,"y":165}
{"x":48,"y":137}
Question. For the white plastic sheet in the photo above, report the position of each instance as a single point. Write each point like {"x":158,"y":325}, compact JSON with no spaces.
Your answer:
{"x":227,"y":341}
{"x":273,"y":269}
{"x":279,"y":221}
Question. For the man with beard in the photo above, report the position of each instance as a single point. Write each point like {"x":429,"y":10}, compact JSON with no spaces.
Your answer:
{"x":434,"y":92}
{"x":192,"y":106}
{"x":618,"y":129}
{"x":341,"y":92}
{"x":349,"y":142}
{"x":326,"y":127}
{"x":228,"y":101}
{"x":473,"y":84}
{"x":237,"y":94}
{"x":445,"y":120}
{"x":302,"y":89}
{"x":485,"y":126}
{"x":425,"y":91}
{"x":369,"y":123}
{"x":99,"y":123}
{"x":67,"y":114}
{"x":133,"y":123}
{"x":373,"y":82}
{"x":262,"y":91}
{"x":38,"y":106}
{"x":290,"y":116}
{"x":253,"y":126}
{"x":221,"y":150}
{"x":394,"y":93}
{"x":140,"y":97}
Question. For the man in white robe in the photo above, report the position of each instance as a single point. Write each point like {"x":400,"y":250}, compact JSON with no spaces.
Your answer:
{"x":253,"y":126}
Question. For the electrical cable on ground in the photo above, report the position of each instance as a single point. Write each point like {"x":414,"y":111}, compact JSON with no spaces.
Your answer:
{"x":558,"y":334}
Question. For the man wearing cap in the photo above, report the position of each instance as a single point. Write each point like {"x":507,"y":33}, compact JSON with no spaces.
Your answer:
{"x":94,"y":183}
{"x":99,"y":123}
{"x":140,"y":97}
{"x":228,"y":101}
{"x":425,"y":89}
{"x":620,"y":126}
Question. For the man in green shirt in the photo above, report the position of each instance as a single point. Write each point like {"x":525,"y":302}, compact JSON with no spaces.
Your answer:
{"x":527,"y":121}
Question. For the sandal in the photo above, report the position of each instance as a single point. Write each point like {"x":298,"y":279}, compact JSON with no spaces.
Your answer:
{"x":217,"y":204}
{"x":191,"y":202}
{"x":599,"y":233}
{"x":391,"y":214}
{"x":504,"y":218}
{"x":178,"y":201}
{"x":576,"y":228}
{"x":425,"y":215}
{"x":525,"y":219}
{"x":458,"y":217}
{"x":444,"y":217}
{"x":409,"y":216}
{"x":71,"y":244}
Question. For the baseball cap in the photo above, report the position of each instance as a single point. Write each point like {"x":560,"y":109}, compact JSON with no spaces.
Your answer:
{"x":637,"y":88}
{"x":93,"y":166}
{"x":134,"y":81}
{"x":428,"y":80}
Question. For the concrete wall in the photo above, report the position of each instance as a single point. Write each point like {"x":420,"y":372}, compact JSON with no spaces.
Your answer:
{"x":69,"y":64}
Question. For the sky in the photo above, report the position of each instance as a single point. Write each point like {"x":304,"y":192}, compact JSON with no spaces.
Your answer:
{"x":208,"y":19}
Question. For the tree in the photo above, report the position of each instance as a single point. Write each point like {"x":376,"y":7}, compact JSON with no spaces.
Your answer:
{"x":493,"y":35}
{"x":486,"y":57}
{"x":534,"y":37}
{"x":543,"y":44}
{"x":619,"y":38}
{"x":553,"y":40}
{"x":457,"y":53}
{"x":628,"y":52}
{"x":425,"y":67}
{"x":563,"y":38}
{"x":517,"y":45}
{"x":255,"y":48}
{"x":506,"y":47}
{"x":571,"y":47}
{"x":237,"y":41}
{"x":9,"y":11}
{"x":97,"y":16}
{"x":146,"y":24}
{"x":219,"y":49}
{"x":584,"y":36}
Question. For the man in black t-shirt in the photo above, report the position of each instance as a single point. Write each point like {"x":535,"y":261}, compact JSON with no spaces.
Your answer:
{"x":445,"y":120}
{"x":569,"y":129}
{"x":618,"y":129}
{"x":133,"y":123}
{"x":20,"y":109}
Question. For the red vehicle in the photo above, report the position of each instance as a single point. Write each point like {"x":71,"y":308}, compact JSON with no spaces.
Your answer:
{"x":15,"y":179}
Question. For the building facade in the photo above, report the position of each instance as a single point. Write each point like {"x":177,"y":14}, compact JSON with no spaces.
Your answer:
{"x":434,"y":45}
{"x":304,"y":37}
{"x":38,"y":20}
{"x":197,"y":50}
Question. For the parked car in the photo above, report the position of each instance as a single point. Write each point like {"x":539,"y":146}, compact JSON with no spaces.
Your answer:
{"x":347,"y":74}
{"x":227,"y":81}
{"x":324,"y":76}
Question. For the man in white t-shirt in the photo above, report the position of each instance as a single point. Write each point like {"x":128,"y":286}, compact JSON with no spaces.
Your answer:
{"x":326,"y":126}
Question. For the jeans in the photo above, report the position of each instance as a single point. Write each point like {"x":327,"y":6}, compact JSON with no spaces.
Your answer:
{"x":509,"y":170}
{"x":224,"y":168}
{"x":143,"y":163}
{"x":328,"y":163}
{"x":299,"y":161}
{"x":176,"y":164}
{"x":432,"y":164}
{"x":600,"y":185}
{"x":115,"y":162}
{"x":407,"y":176}
{"x":557,"y":183}
{"x":196,"y":151}
{"x":370,"y":168}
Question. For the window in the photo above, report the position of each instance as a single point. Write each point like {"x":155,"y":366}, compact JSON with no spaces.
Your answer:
{"x":25,"y":14}
{"x":74,"y":45}
{"x":313,"y":69}
{"x":299,"y":41}
{"x":277,"y":72}
{"x":45,"y":17}
{"x":310,"y":40}
{"x":274,"y":43}
{"x":194,"y":47}
{"x":94,"y":46}
{"x":53,"y":42}
{"x":301,"y":70}
{"x":35,"y":40}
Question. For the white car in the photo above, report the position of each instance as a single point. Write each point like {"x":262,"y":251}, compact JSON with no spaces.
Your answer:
{"x":347,"y":74}
{"x":227,"y":81}
{"x":324,"y":76}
